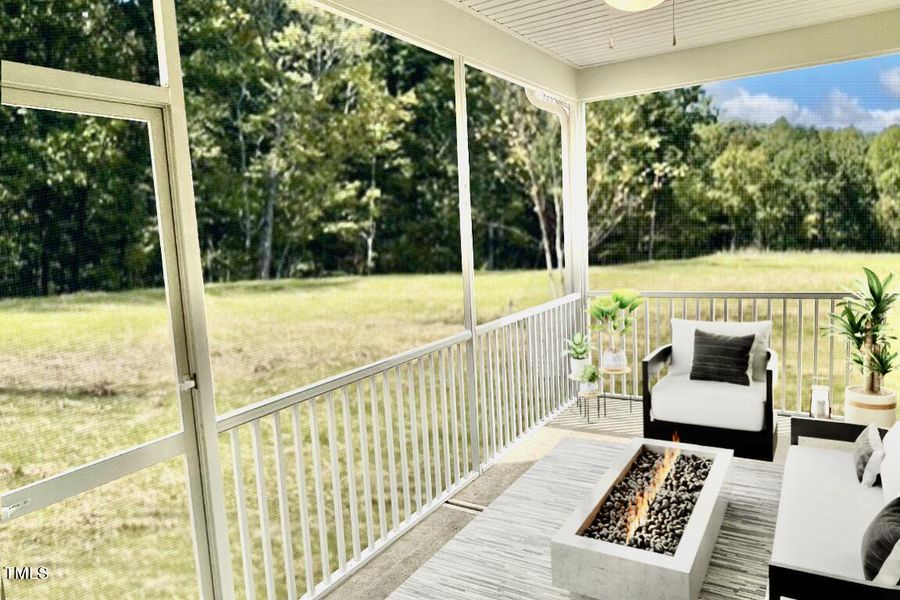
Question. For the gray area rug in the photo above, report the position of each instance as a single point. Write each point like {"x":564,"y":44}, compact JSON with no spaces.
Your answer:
{"x":504,"y":553}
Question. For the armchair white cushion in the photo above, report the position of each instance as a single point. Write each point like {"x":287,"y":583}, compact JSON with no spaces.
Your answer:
{"x":683,"y":343}
{"x":679,"y":399}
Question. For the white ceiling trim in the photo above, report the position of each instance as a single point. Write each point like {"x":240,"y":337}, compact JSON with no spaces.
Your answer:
{"x":859,"y":37}
{"x":577,"y":31}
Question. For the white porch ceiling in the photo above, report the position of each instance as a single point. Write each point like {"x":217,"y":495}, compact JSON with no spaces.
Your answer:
{"x":578,"y":31}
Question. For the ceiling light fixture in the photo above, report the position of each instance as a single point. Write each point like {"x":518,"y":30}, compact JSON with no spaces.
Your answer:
{"x":633,"y":5}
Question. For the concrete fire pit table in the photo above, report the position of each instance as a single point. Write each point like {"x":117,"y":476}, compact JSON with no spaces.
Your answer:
{"x":591,"y":568}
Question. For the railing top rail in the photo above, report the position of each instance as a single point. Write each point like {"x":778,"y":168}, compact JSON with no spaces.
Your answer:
{"x":524,"y":314}
{"x":266,"y":407}
{"x":744,"y":295}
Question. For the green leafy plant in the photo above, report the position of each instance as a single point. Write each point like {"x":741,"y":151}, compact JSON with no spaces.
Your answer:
{"x":862,"y":320}
{"x":614,"y":314}
{"x":590,"y":374}
{"x":578,"y":346}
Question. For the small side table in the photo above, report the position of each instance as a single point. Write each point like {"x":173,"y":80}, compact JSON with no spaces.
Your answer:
{"x":585,"y":397}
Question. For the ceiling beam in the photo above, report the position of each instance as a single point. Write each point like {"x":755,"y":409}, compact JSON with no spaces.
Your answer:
{"x":442,"y":27}
{"x":848,"y":39}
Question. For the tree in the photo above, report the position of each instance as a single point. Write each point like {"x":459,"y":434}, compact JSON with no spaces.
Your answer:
{"x":884,"y":159}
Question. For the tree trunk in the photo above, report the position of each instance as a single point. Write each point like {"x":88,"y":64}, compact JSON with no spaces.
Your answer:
{"x":872,"y":379}
{"x":652,"y":227}
{"x":267,"y":234}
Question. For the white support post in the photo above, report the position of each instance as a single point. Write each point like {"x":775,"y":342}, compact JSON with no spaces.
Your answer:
{"x":467,"y":253}
{"x":207,"y":493}
{"x":575,"y":205}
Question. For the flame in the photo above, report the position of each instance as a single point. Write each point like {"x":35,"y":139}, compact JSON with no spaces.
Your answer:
{"x":637,"y":512}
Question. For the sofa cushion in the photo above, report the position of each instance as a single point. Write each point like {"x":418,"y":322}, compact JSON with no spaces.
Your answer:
{"x":679,"y":399}
{"x":890,"y":476}
{"x":868,"y":452}
{"x":881,"y":546}
{"x":724,"y":358}
{"x":823,"y":513}
{"x":891,"y":440}
{"x":683,"y":342}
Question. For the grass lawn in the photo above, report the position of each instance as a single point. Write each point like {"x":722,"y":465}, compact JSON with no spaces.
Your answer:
{"x":84,"y":375}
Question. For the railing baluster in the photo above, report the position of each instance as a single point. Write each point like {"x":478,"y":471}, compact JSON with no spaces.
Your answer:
{"x":300,"y":467}
{"x":263,"y":498}
{"x":404,"y":460}
{"x":558,"y":355}
{"x":503,"y":361}
{"x":435,"y":430}
{"x":658,"y":314}
{"x":647,"y":348}
{"x":830,"y":353}
{"x":725,"y":309}
{"x":520,"y":405}
{"x":529,"y":369}
{"x":754,"y":310}
{"x":784,"y":356}
{"x":379,"y":471}
{"x":741,"y":310}
{"x":364,"y":454}
{"x":489,"y":338}
{"x":414,"y":430}
{"x":461,"y":359}
{"x":243,"y":525}
{"x":484,"y":409}
{"x":445,"y":426}
{"x":392,"y":459}
{"x":336,"y":487}
{"x":636,"y":361}
{"x":283,"y":510}
{"x":799,"y":355}
{"x":697,"y":315}
{"x":454,"y":413}
{"x":426,"y":451}
{"x":815,"y":371}
{"x":350,"y":458}
{"x":320,"y":490}
{"x":712,"y":309}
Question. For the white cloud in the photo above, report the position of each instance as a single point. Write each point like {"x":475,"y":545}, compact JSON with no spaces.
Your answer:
{"x":837,"y":111}
{"x":890,"y":79}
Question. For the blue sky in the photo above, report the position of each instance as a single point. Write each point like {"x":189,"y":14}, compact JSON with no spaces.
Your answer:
{"x":863,"y":93}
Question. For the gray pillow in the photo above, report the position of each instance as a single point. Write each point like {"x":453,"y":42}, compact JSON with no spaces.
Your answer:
{"x":881,"y":546}
{"x":868,"y":452}
{"x":724,"y":358}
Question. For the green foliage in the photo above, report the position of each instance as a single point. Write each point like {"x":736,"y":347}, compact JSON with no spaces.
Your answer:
{"x":613,"y":313}
{"x":320,"y":146}
{"x":862,"y":320}
{"x":590,"y":374}
{"x":578,"y":347}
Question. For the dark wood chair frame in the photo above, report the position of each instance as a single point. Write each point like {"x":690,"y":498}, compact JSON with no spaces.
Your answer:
{"x":804,"y":585}
{"x":759,"y":445}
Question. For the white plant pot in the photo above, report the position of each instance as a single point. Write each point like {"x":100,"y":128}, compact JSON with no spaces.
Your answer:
{"x":587,"y":388}
{"x":614,"y":360}
{"x":862,"y":408}
{"x":577,"y":365}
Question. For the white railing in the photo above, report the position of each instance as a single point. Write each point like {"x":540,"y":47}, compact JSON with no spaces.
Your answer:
{"x":323,"y":478}
{"x":806,"y":355}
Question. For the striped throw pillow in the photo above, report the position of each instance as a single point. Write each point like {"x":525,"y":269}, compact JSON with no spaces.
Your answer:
{"x":722,"y":358}
{"x":881,"y":546}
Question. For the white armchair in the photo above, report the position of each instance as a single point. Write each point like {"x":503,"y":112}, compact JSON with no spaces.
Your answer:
{"x":711,"y":412}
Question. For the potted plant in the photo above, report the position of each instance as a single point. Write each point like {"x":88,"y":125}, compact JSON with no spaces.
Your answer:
{"x":862,"y":321}
{"x":578,"y":349}
{"x":590,"y":376}
{"x":614,"y":317}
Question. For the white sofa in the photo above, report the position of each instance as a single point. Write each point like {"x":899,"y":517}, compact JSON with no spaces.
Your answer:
{"x":822,"y":516}
{"x":709,"y":412}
